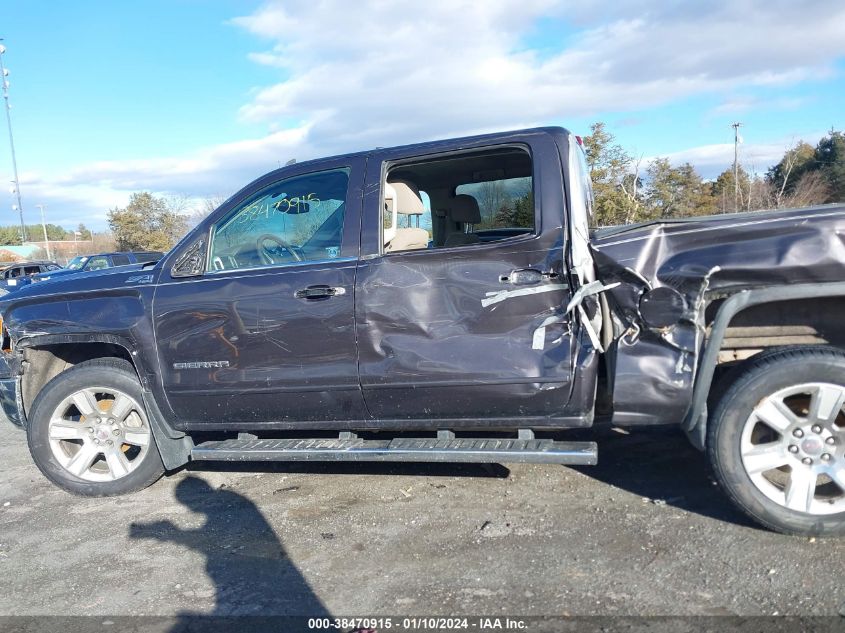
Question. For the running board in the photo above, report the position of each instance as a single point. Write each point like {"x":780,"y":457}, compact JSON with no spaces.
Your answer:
{"x":502,"y":451}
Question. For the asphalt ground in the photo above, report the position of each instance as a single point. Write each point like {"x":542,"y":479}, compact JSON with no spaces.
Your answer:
{"x":646,"y":532}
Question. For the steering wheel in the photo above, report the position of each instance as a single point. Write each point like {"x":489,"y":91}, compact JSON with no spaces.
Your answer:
{"x":266,"y":256}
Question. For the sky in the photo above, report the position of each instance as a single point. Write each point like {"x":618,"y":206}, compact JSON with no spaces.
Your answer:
{"x":196,"y":98}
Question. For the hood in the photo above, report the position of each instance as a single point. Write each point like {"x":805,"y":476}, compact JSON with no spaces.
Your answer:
{"x":55,"y":273}
{"x":72,"y":282}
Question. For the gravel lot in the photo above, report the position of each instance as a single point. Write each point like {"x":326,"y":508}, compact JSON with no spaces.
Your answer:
{"x":644,"y":533}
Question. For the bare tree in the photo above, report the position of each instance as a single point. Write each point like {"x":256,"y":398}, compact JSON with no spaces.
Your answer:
{"x":811,"y":188}
{"x":630,"y":185}
{"x":492,"y":197}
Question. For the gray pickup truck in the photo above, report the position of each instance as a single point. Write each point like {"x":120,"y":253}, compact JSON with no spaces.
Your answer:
{"x":446,"y":301}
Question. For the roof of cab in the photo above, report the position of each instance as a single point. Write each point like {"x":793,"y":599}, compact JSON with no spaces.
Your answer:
{"x":443,"y":144}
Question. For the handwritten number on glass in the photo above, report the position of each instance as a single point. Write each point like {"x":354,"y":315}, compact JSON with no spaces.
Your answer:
{"x":297,"y":204}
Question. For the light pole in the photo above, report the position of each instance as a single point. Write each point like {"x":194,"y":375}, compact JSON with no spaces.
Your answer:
{"x":5,"y":82}
{"x":736,"y":127}
{"x":44,"y":228}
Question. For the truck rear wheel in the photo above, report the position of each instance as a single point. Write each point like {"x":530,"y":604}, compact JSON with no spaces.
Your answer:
{"x":89,"y":433}
{"x":776,"y":440}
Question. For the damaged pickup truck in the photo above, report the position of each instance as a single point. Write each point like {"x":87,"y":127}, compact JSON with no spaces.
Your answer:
{"x":446,"y":301}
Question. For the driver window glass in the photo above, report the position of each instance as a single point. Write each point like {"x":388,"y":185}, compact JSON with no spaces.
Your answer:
{"x":97,"y":263}
{"x":294,"y":220}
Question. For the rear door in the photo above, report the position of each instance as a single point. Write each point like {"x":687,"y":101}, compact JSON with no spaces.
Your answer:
{"x":444,"y":333}
{"x":264,"y":337}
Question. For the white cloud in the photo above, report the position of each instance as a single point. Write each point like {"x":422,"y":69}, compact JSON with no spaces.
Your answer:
{"x":86,"y":193}
{"x":357,"y":75}
{"x":711,"y":160}
{"x":745,"y":103}
{"x":448,"y":66}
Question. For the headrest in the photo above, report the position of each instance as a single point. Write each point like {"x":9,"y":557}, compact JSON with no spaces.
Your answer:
{"x":405,"y":196}
{"x":465,"y":209}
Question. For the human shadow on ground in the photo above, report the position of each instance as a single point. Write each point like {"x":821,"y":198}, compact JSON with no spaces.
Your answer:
{"x":244,"y":558}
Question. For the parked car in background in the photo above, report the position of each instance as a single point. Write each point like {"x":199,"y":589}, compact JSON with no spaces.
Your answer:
{"x":18,"y":274}
{"x":87,"y":263}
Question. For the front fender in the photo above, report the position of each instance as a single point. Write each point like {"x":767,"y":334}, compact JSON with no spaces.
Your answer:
{"x":10,"y":393}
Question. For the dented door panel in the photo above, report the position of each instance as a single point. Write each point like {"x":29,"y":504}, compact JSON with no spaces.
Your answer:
{"x":243,"y":351}
{"x":433,"y":345}
{"x":249,"y":348}
{"x":429,"y":348}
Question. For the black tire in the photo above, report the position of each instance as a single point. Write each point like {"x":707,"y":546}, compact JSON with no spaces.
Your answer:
{"x":750,"y":383}
{"x":112,"y":373}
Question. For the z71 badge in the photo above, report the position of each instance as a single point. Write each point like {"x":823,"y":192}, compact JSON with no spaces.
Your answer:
{"x":139,"y":279}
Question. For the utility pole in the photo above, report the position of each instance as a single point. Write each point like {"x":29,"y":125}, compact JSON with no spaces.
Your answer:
{"x":3,"y":74}
{"x":736,"y":127}
{"x":44,"y":228}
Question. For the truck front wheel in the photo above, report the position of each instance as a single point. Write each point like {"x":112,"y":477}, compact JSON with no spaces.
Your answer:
{"x":776,"y":440}
{"x":89,"y":433}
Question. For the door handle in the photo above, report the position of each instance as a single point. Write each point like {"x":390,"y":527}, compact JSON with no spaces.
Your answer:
{"x":524,"y":277}
{"x":319,"y":292}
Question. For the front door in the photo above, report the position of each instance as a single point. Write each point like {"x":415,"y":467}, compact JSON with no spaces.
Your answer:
{"x":265,"y":337}
{"x":446,"y":332}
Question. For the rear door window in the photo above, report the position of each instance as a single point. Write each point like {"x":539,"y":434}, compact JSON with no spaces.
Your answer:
{"x":460,"y":200}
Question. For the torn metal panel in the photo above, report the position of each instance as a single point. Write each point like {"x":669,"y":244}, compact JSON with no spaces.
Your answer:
{"x":700,"y":259}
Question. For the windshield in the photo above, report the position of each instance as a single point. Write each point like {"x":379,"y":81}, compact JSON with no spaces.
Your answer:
{"x":76,"y":263}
